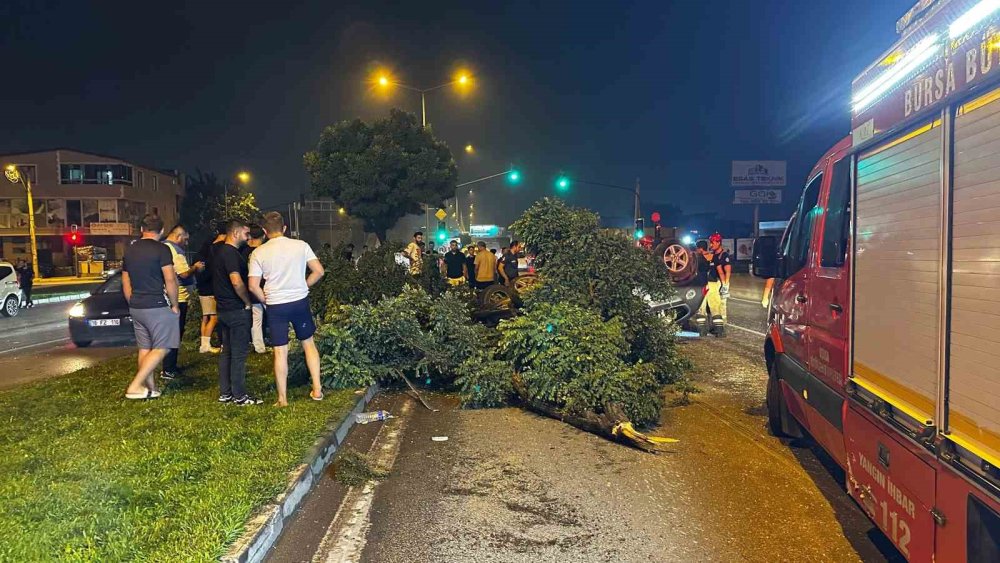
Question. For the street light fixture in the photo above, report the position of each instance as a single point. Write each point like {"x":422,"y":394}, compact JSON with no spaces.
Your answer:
{"x":385,"y":80}
{"x":469,"y":149}
{"x":244,"y":178}
{"x":14,"y":176}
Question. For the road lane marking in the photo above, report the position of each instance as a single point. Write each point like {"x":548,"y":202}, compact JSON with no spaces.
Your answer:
{"x":731,"y":298}
{"x":347,"y":535}
{"x":750,"y":330}
{"x":26,"y":346}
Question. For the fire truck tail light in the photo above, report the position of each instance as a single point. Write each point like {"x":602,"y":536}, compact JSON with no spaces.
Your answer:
{"x":969,"y":19}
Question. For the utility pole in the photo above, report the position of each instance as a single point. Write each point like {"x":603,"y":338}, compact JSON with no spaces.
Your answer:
{"x":14,"y":176}
{"x":638,"y":212}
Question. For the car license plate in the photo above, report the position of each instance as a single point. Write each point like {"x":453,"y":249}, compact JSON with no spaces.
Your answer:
{"x":106,"y":322}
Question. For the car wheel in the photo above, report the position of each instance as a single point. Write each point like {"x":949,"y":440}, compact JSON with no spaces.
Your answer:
{"x":11,"y":306}
{"x":82,"y":343}
{"x":779,"y":422}
{"x":681,"y":262}
{"x":525,"y":282}
{"x":497,"y":297}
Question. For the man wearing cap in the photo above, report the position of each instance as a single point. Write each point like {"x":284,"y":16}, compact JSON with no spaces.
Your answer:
{"x":719,"y":272}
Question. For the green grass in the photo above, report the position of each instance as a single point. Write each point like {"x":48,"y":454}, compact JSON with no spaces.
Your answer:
{"x":87,"y":476}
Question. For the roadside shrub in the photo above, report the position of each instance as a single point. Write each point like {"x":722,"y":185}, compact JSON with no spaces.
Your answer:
{"x":378,"y":275}
{"x":431,"y":280}
{"x":338,"y":286}
{"x":342,"y":363}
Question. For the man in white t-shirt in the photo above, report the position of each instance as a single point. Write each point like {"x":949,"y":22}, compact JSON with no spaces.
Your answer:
{"x":282,"y":264}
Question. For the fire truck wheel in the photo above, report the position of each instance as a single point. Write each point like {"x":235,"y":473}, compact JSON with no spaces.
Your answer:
{"x":681,"y":261}
{"x":779,"y":422}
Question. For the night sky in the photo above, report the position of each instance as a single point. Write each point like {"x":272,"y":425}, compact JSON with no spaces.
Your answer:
{"x":607,"y":91}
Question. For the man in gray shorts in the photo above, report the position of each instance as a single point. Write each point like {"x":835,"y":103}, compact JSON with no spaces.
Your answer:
{"x":150,"y":285}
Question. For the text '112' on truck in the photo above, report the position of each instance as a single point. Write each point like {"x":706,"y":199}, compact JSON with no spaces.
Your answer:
{"x":884,"y":333}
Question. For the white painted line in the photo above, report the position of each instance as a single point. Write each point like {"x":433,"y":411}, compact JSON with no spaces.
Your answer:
{"x":744,"y":300}
{"x":751,"y":331}
{"x":345,"y":538}
{"x":26,"y":346}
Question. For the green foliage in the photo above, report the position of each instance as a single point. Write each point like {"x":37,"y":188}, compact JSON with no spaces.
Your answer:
{"x":204,"y":204}
{"x":603,"y":271}
{"x":343,"y":365}
{"x":382,"y":171}
{"x":485,"y":381}
{"x":568,"y":356}
{"x":340,"y":284}
{"x":431,"y":280}
{"x":89,"y":476}
{"x":379,"y":276}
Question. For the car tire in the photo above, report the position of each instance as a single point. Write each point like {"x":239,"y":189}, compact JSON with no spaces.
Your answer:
{"x":681,"y":261}
{"x":82,"y":343}
{"x":497,"y":297}
{"x":779,"y":421}
{"x":11,"y":306}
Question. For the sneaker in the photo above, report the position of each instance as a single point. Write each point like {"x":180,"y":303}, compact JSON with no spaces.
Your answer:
{"x":247,"y":400}
{"x":225,"y":398}
{"x":170,"y":375}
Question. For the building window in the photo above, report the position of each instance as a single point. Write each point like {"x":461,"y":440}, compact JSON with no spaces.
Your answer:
{"x":108,"y":209}
{"x":74,"y":212}
{"x":91,"y":213}
{"x":140,"y":179}
{"x":4,"y":213}
{"x":131,"y":212}
{"x":156,"y":182}
{"x":55,"y":214}
{"x":28,"y":172}
{"x":95,"y":174}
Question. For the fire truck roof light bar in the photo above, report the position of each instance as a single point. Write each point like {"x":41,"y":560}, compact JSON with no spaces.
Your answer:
{"x":969,"y":19}
{"x":919,"y":54}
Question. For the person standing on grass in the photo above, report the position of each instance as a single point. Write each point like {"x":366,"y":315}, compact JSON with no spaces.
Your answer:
{"x":257,"y":238}
{"x":229,"y":284}
{"x":177,"y":240}
{"x":149,"y":281}
{"x":454,"y":265}
{"x":283,"y":263}
{"x":206,"y":297}
{"x":486,"y":267}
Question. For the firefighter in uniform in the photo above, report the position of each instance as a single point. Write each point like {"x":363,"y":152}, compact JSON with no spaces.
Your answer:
{"x":720,"y":270}
{"x":704,"y":258}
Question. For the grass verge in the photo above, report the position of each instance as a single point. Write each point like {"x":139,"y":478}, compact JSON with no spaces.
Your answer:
{"x":87,"y":475}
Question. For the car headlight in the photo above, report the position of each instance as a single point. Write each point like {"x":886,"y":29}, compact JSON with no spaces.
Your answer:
{"x":77,"y":310}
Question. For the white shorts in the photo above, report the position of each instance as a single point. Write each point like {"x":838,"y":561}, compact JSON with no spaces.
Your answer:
{"x":207,"y":305}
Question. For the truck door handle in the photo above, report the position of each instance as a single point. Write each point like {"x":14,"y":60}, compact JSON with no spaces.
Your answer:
{"x":801,"y":298}
{"x":836,"y":307}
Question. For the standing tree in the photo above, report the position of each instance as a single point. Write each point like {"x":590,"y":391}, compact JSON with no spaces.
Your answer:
{"x":204,"y":203}
{"x":382,"y":171}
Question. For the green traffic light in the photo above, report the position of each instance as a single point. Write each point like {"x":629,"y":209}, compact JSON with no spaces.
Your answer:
{"x":442,"y":235}
{"x":639,"y":234}
{"x":562,"y":183}
{"x":514,"y":176}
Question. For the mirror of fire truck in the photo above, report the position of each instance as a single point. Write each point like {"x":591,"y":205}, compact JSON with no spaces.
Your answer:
{"x":765,"y":257}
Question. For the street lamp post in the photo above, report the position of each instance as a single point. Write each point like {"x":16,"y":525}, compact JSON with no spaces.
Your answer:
{"x":15,"y":176}
{"x":511,"y":173}
{"x":563,"y":183}
{"x":384,"y":81}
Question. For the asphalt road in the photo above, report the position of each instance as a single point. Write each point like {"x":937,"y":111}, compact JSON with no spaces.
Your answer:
{"x":508,"y":485}
{"x":36,"y":345}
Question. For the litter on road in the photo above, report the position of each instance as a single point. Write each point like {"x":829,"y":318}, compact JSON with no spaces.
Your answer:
{"x":366,"y":417}
{"x":439,"y":438}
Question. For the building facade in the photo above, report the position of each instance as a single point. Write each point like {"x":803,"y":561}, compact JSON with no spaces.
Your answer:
{"x":102,"y":198}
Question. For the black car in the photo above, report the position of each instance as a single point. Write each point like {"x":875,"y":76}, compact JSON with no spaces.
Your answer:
{"x":102,"y":316}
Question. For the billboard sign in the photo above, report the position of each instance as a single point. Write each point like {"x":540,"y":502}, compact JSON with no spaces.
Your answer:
{"x":744,"y":248}
{"x":759,"y":173}
{"x":110,"y":229}
{"x":484,"y":230}
{"x":757,"y":197}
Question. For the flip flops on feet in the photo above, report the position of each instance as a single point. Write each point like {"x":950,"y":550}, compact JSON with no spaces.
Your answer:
{"x":147,"y":394}
{"x":316,"y":397}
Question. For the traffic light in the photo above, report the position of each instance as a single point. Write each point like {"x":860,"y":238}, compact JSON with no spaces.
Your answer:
{"x":442,"y":232}
{"x":562,"y":183}
{"x":639,"y":228}
{"x":73,"y":237}
{"x":514,"y":176}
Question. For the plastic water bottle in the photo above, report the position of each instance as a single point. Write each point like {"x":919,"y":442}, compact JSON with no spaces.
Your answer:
{"x":366,"y":417}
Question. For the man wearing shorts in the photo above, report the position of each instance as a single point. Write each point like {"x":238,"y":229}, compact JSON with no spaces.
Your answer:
{"x":282,"y":264}
{"x":150,"y":285}
{"x":206,"y":296}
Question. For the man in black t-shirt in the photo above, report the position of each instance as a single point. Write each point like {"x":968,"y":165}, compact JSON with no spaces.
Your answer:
{"x":454,"y":264}
{"x":720,"y":268}
{"x":206,"y":298}
{"x":704,"y":258}
{"x":149,"y":282}
{"x":508,"y":264}
{"x":232,"y":298}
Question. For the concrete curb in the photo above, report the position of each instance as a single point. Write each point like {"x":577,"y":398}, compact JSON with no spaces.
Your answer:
{"x":264,"y":529}
{"x":61,"y":298}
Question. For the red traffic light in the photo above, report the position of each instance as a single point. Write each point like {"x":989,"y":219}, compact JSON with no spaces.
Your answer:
{"x":74,"y":238}
{"x":655,"y":216}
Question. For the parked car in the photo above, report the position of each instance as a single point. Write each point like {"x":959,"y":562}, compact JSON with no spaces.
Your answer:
{"x":102,"y":316}
{"x":10,"y":290}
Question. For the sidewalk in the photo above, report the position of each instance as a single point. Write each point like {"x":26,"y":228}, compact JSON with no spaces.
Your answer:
{"x":67,"y":280}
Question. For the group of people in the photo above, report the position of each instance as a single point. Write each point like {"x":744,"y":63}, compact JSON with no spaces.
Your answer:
{"x":476,"y":265}
{"x":246,"y":276}
{"x":714,"y":270}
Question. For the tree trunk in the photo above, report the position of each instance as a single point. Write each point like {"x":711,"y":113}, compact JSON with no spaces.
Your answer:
{"x":613,"y":424}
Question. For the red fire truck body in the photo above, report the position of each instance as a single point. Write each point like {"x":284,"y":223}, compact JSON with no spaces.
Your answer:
{"x":884,"y":336}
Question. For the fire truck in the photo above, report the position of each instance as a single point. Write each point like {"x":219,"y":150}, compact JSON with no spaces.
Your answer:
{"x":883,"y":343}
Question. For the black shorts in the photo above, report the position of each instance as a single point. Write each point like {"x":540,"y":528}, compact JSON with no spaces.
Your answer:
{"x":297,"y":314}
